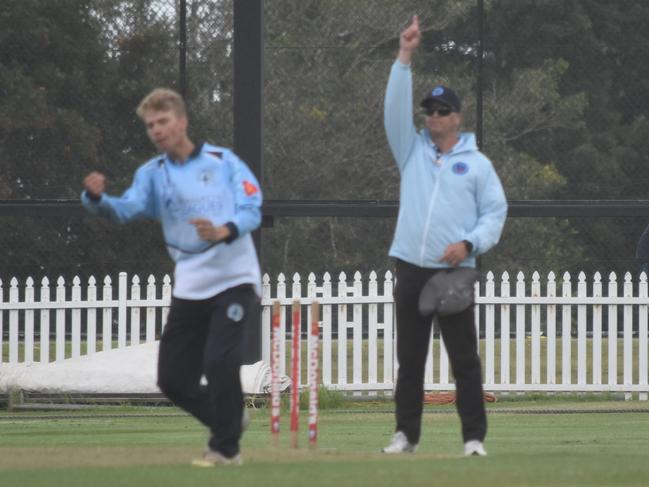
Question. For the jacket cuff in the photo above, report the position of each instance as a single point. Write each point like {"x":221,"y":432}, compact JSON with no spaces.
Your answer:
{"x":234,"y":232}
{"x":92,"y":197}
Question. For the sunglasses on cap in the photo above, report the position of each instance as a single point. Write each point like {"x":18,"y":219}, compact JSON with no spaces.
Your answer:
{"x":441,"y":111}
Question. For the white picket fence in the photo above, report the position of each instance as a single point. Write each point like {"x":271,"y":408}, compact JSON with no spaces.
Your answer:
{"x":64,"y":310}
{"x":588,"y":337}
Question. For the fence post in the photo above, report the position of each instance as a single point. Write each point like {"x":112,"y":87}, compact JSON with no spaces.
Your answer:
{"x":150,"y":310}
{"x":566,"y":335}
{"x":76,"y":317}
{"x":520,"y":330}
{"x":372,"y":332}
{"x":505,"y":330}
{"x":612,"y":330}
{"x":107,"y":316}
{"x":135,"y":310}
{"x":29,"y":323}
{"x":357,"y":314}
{"x":342,"y":330}
{"x":389,"y":350}
{"x":536,"y":330}
{"x":265,"y":319}
{"x":13,"y":322}
{"x":325,"y":313}
{"x":166,"y":297}
{"x":44,"y":356}
{"x":551,"y":331}
{"x":490,"y":375}
{"x":91,"y":316}
{"x":60,"y":319}
{"x":597,"y":330}
{"x":643,"y":338}
{"x":582,"y":292}
{"x":628,"y":335}
{"x":281,"y":295}
{"x":122,"y":284}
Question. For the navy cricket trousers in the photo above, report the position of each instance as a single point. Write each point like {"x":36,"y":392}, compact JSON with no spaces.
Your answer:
{"x":413,"y":335}
{"x":206,"y":337}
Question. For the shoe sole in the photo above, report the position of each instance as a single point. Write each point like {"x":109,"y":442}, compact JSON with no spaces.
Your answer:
{"x":408,"y":451}
{"x":199,"y":462}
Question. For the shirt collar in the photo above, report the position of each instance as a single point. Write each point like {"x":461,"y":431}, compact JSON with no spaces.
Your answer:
{"x":198,"y":148}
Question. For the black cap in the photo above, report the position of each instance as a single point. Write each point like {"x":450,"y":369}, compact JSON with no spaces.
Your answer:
{"x":444,"y":95}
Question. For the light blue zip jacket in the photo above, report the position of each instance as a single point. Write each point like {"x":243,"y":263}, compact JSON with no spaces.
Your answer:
{"x":213,"y":184}
{"x":442,"y":201}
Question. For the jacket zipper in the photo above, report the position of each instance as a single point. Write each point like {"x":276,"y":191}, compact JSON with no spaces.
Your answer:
{"x":428,"y":218}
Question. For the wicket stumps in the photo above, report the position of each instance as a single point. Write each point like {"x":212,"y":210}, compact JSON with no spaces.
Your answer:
{"x":296,"y":361}
{"x":275,"y":357}
{"x":314,"y":358}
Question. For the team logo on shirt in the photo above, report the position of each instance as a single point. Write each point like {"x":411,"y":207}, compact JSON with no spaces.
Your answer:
{"x":206,"y":177}
{"x":460,"y":168}
{"x":250,"y":188}
{"x":235,"y":312}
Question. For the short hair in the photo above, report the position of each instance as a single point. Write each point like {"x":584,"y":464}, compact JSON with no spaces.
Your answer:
{"x":162,"y":100}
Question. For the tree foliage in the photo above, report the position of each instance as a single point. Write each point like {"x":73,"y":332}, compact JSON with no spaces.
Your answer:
{"x":565,"y":92}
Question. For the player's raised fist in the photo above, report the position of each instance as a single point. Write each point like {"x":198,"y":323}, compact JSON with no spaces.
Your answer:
{"x":95,"y":184}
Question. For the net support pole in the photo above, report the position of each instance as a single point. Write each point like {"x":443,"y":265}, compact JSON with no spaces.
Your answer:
{"x":248,"y":65}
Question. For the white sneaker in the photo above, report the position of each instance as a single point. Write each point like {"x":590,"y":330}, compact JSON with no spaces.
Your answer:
{"x":474,"y":448}
{"x":400,"y":444}
{"x":212,"y":458}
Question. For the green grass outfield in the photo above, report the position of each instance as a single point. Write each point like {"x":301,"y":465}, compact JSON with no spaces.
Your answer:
{"x":143,"y":447}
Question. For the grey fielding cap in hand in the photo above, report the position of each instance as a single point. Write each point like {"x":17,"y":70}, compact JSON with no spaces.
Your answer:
{"x":448,"y":292}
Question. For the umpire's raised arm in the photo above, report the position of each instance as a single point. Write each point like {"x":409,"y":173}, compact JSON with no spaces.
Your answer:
{"x":398,"y":116}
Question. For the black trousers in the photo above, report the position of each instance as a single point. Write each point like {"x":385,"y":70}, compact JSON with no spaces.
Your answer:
{"x":206,"y":337}
{"x":413,"y":335}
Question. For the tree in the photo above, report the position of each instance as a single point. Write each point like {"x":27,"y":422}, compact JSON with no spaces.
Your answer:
{"x":564,"y":94}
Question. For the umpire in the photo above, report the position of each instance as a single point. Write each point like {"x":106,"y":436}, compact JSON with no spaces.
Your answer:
{"x":452,"y":208}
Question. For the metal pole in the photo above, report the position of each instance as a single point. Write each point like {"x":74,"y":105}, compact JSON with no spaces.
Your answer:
{"x":248,"y":65}
{"x":480,"y":86}
{"x":182,"y":49}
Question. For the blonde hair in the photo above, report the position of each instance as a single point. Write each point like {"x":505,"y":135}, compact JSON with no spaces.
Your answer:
{"x":162,"y":100}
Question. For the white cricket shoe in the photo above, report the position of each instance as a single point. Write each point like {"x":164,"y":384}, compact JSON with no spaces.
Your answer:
{"x":474,"y":448}
{"x":400,"y":444}
{"x":212,"y":458}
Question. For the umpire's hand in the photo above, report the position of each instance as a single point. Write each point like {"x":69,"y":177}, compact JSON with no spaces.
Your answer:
{"x":410,"y":38}
{"x":455,"y":253}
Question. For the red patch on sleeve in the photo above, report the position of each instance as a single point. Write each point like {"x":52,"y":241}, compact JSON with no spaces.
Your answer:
{"x":250,"y":188}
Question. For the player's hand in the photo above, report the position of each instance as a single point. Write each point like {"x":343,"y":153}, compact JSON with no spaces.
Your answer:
{"x":208,"y":231}
{"x":455,"y":253}
{"x":95,"y":184}
{"x":410,"y":38}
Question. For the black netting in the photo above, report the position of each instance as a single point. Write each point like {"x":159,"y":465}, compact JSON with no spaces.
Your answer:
{"x":71,"y":75}
{"x":564,"y":86}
